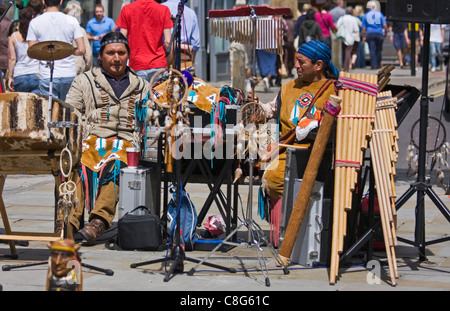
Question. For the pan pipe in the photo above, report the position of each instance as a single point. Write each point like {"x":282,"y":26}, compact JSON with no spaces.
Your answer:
{"x":383,"y":150}
{"x":353,"y":130}
{"x":261,"y":27}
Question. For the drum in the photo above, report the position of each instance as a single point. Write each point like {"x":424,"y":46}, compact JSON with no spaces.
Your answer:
{"x":24,"y":133}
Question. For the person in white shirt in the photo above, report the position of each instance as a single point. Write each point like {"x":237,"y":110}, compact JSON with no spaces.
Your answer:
{"x":190,"y":32}
{"x":351,"y":38}
{"x":437,"y":35}
{"x":53,"y":25}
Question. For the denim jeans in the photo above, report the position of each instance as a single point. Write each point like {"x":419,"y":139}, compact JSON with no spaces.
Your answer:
{"x":375,"y":41}
{"x":435,"y":53}
{"x":147,"y":74}
{"x":27,"y":83}
{"x":59,"y":89}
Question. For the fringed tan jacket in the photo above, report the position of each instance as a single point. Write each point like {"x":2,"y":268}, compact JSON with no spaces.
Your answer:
{"x":105,"y":115}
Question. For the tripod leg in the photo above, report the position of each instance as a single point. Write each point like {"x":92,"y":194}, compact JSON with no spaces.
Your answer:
{"x":177,"y":264}
{"x":420,"y":225}
{"x":274,"y":253}
{"x":439,"y":204}
{"x":405,"y":197}
{"x":261,"y":259}
{"x":232,"y":270}
{"x":192,"y":271}
{"x":11,"y":267}
{"x":135,"y":265}
{"x":105,"y":271}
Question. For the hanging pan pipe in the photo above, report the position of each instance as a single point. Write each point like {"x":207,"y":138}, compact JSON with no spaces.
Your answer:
{"x":353,"y":130}
{"x":239,"y":24}
{"x":383,"y":150}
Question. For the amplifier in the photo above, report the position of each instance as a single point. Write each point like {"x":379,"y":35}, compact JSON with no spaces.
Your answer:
{"x":419,"y":11}
{"x":312,"y":247}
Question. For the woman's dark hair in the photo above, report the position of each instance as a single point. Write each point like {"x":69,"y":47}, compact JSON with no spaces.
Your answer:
{"x":310,"y":14}
{"x":25,"y":16}
{"x":37,"y":6}
{"x":113,"y":36}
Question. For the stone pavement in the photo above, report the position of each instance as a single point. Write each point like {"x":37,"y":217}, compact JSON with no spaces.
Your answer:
{"x":29,"y":201}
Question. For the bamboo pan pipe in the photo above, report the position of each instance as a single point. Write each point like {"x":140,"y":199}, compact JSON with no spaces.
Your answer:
{"x":387,"y":124}
{"x":382,"y":172}
{"x":353,"y":130}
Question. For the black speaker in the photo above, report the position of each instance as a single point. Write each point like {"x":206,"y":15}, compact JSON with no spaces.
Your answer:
{"x":419,"y":11}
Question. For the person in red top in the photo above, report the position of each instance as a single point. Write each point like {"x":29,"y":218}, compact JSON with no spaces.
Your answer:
{"x":326,"y":23}
{"x":147,"y":26}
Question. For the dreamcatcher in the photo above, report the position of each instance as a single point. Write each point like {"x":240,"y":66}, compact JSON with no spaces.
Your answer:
{"x":67,"y":188}
{"x":167,"y":100}
{"x":437,"y":148}
{"x":253,"y":134}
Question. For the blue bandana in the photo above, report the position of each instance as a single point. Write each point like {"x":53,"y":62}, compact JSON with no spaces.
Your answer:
{"x":317,"y":50}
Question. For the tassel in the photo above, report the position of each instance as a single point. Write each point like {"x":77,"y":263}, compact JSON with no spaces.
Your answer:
{"x":237,"y":174}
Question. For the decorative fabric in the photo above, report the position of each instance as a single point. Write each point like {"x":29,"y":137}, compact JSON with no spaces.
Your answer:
{"x":101,"y":163}
{"x":357,"y":85}
{"x":99,"y":151}
{"x":201,"y":94}
{"x":115,"y":40}
{"x":329,"y":108}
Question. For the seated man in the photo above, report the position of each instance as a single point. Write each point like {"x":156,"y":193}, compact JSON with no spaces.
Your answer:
{"x":106,"y":96}
{"x":299,"y":101}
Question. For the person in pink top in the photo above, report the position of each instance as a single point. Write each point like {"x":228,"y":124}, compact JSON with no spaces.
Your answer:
{"x":326,"y":23}
{"x":147,"y":26}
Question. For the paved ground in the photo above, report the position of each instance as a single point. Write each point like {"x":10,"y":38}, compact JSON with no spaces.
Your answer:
{"x":29,"y":202}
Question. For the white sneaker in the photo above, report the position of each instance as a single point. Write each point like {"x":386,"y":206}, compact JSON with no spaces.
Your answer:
{"x":248,"y":87}
{"x":433,"y":69}
{"x":266,"y":84}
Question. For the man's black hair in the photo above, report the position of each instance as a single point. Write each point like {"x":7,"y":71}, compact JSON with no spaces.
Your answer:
{"x":113,"y":36}
{"x":51,"y":3}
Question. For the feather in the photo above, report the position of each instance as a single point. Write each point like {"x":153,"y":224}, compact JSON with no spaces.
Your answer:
{"x":237,"y":174}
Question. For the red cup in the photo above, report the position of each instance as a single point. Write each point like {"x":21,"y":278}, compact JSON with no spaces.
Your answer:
{"x":133,"y":157}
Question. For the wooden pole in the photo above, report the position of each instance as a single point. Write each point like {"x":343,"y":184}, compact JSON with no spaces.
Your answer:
{"x":309,"y":177}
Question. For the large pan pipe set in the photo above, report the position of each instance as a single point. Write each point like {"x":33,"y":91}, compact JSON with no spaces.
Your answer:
{"x":353,"y":130}
{"x":257,"y":26}
{"x":384,"y":150}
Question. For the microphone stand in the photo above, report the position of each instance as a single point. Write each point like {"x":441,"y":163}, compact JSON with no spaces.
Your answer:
{"x":177,"y":253}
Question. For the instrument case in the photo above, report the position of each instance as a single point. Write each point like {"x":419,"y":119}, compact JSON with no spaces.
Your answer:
{"x":137,"y":188}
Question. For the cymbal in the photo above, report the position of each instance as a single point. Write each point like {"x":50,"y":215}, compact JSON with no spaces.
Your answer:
{"x":50,"y":50}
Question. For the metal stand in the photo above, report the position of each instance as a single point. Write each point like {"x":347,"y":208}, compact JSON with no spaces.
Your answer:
{"x":177,"y":255}
{"x":421,"y":187}
{"x":255,"y":236}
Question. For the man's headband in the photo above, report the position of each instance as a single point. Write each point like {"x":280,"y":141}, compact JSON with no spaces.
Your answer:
{"x":114,"y":40}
